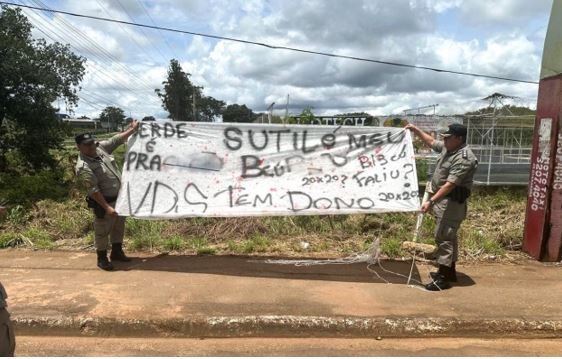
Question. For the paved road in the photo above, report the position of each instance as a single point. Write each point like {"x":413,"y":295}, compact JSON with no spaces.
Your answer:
{"x":93,"y":346}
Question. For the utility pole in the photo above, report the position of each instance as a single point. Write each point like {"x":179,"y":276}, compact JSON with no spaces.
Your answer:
{"x":270,"y":112}
{"x":286,"y":109}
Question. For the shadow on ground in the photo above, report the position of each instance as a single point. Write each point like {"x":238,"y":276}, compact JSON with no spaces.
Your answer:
{"x":389,"y":271}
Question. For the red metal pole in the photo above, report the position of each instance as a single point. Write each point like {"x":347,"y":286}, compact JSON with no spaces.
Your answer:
{"x":543,"y":223}
{"x":554,"y":242}
{"x":542,"y":161}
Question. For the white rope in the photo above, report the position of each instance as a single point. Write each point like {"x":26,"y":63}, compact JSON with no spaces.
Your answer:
{"x":371,"y":256}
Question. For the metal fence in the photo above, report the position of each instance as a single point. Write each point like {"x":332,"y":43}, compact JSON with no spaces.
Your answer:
{"x":502,"y":145}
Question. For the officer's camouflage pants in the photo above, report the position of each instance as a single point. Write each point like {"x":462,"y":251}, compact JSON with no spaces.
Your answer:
{"x":447,"y":241}
{"x":7,"y":335}
{"x":108,"y":228}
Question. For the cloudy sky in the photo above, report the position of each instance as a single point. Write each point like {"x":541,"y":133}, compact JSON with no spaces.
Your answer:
{"x":125,"y":64}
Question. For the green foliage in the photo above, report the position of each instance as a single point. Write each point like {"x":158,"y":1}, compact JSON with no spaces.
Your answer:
{"x":422,"y":168}
{"x":256,"y":244}
{"x":33,"y":74}
{"x":185,"y":101}
{"x":114,"y":116}
{"x":395,"y":122}
{"x":57,"y":221}
{"x":478,"y":242}
{"x":206,"y":251}
{"x":18,"y":216}
{"x":143,"y":234}
{"x":139,"y":228}
{"x":39,"y":237}
{"x":307,"y":117}
{"x":208,"y":108}
{"x":32,"y":236}
{"x":177,"y":96}
{"x":238,"y":113}
{"x":26,"y":189}
{"x":9,"y":239}
{"x":174,"y":243}
{"x":391,"y":247}
{"x":493,"y":226}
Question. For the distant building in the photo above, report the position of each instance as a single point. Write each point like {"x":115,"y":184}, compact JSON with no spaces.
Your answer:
{"x":81,"y":122}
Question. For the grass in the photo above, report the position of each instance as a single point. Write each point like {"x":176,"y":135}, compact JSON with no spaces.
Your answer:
{"x":46,"y":209}
{"x":494,"y":225}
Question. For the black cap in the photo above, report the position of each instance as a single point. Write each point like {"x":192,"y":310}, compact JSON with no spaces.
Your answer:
{"x":84,"y":138}
{"x":456,"y":129}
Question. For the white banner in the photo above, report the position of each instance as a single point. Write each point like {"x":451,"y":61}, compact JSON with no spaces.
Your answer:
{"x":187,"y":169}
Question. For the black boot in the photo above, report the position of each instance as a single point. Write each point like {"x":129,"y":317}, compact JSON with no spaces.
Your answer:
{"x":440,"y":282}
{"x":117,"y":253}
{"x":103,"y":262}
{"x":451,"y":272}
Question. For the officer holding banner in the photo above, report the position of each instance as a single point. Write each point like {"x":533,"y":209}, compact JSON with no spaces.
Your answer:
{"x":100,"y":178}
{"x":448,"y":191}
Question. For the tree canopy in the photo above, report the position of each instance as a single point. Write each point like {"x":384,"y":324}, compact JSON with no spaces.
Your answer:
{"x":183,"y":100}
{"x":113,"y":116}
{"x":238,"y":113}
{"x":177,"y":95}
{"x":33,"y":74}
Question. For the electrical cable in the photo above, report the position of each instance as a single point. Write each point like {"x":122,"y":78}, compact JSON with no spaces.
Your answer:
{"x":276,"y":47}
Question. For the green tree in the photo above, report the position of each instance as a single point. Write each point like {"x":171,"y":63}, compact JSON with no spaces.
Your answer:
{"x":237,"y":113}
{"x":113,"y":116}
{"x":307,"y":117}
{"x":33,"y":74}
{"x":148,"y":118}
{"x":177,"y":95}
{"x":209,"y":107}
{"x":395,"y":122}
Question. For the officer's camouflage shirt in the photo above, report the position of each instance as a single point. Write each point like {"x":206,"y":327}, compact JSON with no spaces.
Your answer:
{"x":100,"y":173}
{"x":457,"y":167}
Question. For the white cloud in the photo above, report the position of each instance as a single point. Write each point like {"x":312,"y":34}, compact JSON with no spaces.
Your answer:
{"x":503,"y":38}
{"x":504,"y":12}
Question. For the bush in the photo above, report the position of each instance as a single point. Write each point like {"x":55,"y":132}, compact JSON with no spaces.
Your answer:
{"x":26,"y":189}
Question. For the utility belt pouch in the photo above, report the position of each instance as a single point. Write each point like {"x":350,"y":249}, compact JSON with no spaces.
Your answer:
{"x":97,"y":208}
{"x":459,"y":194}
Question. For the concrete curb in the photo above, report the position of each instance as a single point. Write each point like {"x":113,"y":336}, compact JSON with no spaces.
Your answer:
{"x":290,"y":327}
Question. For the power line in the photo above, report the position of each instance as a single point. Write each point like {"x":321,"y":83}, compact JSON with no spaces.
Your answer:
{"x":83,"y":40}
{"x":130,"y":16}
{"x":275,"y":46}
{"x":127,"y":30}
{"x":172,"y":51}
{"x":38,"y":26}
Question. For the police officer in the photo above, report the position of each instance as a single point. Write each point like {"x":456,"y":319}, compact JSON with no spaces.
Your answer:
{"x":7,"y":335}
{"x":99,"y":177}
{"x":448,"y":191}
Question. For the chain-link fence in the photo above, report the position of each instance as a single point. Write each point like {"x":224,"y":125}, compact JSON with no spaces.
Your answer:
{"x":502,"y":145}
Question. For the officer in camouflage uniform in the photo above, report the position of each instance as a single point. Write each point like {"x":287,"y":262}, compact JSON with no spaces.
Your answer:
{"x":7,"y":335}
{"x":99,"y":177}
{"x":448,"y":191}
